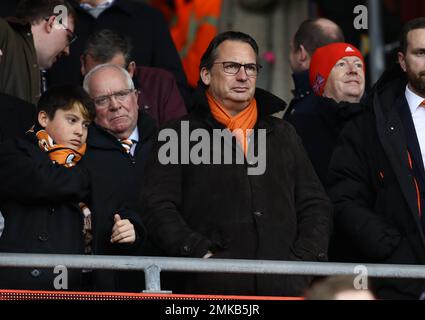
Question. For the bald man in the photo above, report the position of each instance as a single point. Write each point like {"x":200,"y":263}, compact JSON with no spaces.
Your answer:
{"x":311,"y":34}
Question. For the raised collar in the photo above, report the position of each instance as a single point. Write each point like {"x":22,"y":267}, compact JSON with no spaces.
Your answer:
{"x":302,"y":84}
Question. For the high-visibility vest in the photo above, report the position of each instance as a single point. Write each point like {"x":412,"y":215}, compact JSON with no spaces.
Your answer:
{"x":193,"y":29}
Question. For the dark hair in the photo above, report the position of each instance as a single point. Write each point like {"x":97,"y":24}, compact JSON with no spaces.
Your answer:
{"x":65,"y":98}
{"x":418,"y":23}
{"x":33,"y":11}
{"x":103,"y":45}
{"x":312,"y":35}
{"x":210,"y":54}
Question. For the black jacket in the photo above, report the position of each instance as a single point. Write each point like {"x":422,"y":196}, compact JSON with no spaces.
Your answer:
{"x":373,"y":187}
{"x":303,"y":99}
{"x":39,"y":201}
{"x":320,"y":128}
{"x":116,"y":182}
{"x":282,"y":214}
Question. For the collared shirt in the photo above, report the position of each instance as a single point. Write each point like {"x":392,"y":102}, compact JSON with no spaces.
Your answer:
{"x":418,"y":116}
{"x":96,"y":11}
{"x":134,"y":136}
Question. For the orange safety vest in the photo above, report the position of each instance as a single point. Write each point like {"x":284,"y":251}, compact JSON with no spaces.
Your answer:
{"x":192,"y":29}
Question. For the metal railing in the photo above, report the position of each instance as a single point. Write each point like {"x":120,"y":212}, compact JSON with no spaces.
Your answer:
{"x":152,"y":266}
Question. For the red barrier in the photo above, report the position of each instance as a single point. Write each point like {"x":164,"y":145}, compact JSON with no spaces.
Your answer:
{"x":118,"y":296}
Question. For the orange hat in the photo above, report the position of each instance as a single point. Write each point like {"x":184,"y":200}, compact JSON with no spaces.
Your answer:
{"x":325,"y":58}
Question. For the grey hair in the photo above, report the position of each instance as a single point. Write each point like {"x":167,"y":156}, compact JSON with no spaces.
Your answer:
{"x":124,"y":72}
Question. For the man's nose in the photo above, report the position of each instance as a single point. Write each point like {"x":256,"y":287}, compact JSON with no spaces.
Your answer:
{"x":352,"y":68}
{"x":113,"y":103}
{"x":241,"y":74}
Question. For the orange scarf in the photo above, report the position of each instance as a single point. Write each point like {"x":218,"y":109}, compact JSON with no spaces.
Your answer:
{"x":244,"y":120}
{"x":68,"y":158}
{"x":58,"y":153}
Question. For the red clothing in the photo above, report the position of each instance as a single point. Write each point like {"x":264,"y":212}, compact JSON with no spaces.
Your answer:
{"x":159,"y":95}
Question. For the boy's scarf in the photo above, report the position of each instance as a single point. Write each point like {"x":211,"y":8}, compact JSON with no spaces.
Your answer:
{"x":68,"y":158}
{"x":246,"y":119}
{"x":58,"y":153}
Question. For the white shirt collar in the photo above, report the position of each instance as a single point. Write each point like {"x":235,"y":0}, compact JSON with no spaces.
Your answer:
{"x":104,"y":5}
{"x":413,"y":100}
{"x":134,"y":136}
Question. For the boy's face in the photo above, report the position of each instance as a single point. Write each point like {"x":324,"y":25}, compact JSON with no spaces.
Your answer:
{"x":68,"y":127}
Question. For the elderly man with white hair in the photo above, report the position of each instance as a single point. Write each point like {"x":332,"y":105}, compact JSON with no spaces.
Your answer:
{"x":118,"y":144}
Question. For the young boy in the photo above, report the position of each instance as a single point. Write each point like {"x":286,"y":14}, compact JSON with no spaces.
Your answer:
{"x":42,"y":185}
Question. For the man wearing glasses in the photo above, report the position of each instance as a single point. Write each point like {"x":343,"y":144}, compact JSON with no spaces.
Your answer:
{"x":216,"y":209}
{"x":33,"y":41}
{"x":117,"y":147}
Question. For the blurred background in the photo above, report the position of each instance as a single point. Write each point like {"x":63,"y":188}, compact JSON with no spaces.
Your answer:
{"x":273,"y":23}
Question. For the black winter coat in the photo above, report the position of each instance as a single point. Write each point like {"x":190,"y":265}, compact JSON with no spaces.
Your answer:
{"x":116,"y":183}
{"x":282,"y":214}
{"x":303,"y":99}
{"x":373,"y":189}
{"x":39,"y":201}
{"x":17,"y":116}
{"x":319,"y":125}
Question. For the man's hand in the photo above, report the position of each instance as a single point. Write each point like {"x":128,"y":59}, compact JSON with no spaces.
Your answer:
{"x":122,"y":231}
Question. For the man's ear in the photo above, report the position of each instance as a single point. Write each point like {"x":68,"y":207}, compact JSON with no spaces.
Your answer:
{"x":402,"y":60}
{"x":205,"y":76}
{"x":43,"y":119}
{"x":50,"y":24}
{"x":304,"y":56}
{"x":83,"y":65}
{"x":131,"y":68}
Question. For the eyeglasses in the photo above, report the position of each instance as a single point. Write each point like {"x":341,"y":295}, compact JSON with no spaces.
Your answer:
{"x":71,"y":36}
{"x":230,"y":67}
{"x":105,"y":101}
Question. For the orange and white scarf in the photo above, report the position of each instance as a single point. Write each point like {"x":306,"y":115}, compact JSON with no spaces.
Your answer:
{"x":68,"y":158}
{"x":58,"y":153}
{"x":244,"y":120}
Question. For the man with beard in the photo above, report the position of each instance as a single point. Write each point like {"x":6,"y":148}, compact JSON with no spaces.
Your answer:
{"x":377,"y":171}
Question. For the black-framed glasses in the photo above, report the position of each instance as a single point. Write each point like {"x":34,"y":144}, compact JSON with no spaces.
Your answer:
{"x":72,"y":37}
{"x":105,"y":101}
{"x":231,"y":67}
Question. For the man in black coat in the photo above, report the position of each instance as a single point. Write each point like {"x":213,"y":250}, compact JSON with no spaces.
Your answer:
{"x":143,"y":25}
{"x":377,"y":171}
{"x":340,"y":68}
{"x":213,"y":198}
{"x":118,"y":145}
